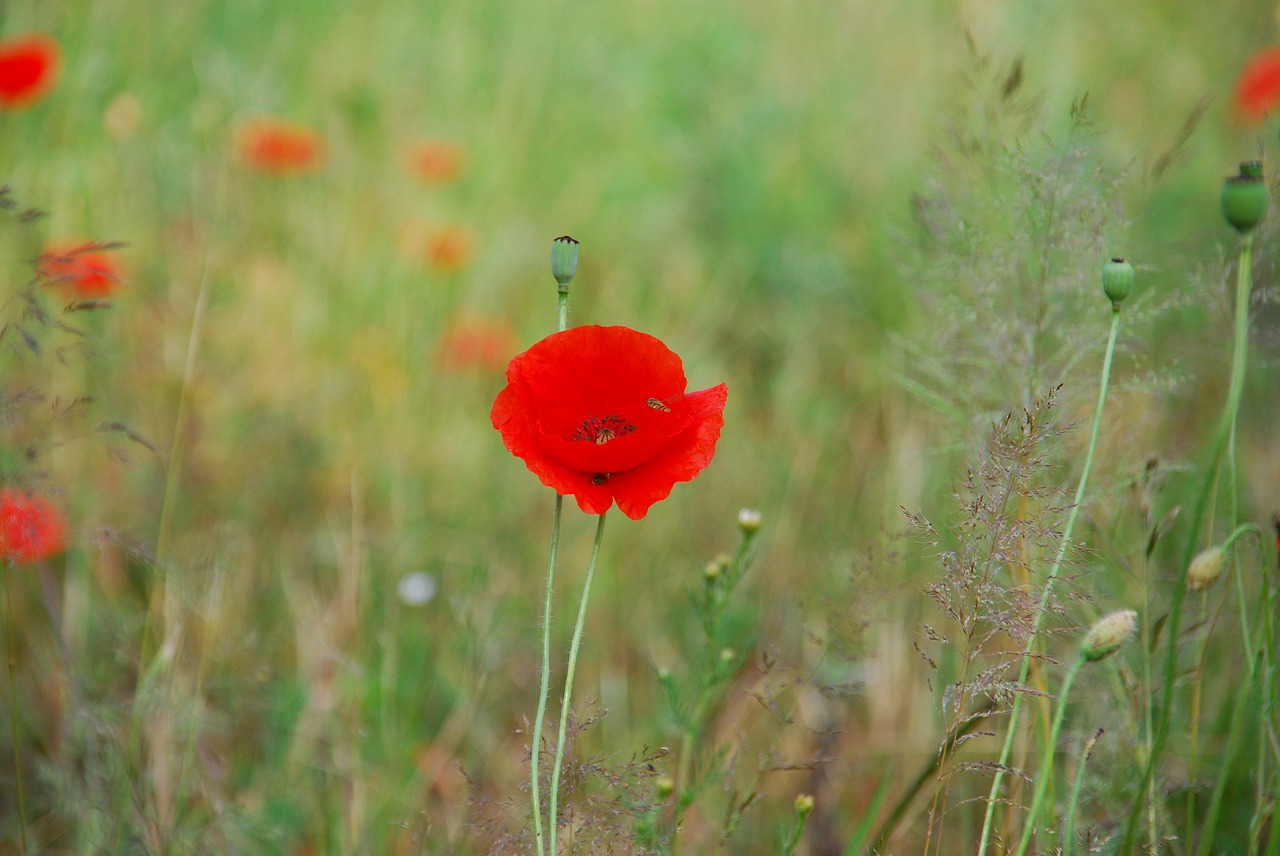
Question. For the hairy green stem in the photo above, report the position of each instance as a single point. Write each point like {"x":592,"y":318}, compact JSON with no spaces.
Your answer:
{"x":1012,"y":730}
{"x":1234,"y":391}
{"x":1069,"y":826}
{"x":568,"y":680}
{"x":535,"y":750}
{"x":1045,"y":774}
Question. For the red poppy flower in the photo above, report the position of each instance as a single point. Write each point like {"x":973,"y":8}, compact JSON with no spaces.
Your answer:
{"x":280,"y":148}
{"x":436,"y":161}
{"x":28,"y":67}
{"x":83,"y":270}
{"x":1258,"y":91}
{"x":601,"y":413}
{"x":477,"y":343}
{"x":31,"y":528}
{"x":449,"y":249}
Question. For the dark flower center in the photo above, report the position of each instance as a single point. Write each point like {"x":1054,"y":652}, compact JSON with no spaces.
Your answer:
{"x":601,"y":431}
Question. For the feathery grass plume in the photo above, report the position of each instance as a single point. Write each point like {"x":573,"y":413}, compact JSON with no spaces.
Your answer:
{"x":987,"y":593}
{"x":1008,"y":230}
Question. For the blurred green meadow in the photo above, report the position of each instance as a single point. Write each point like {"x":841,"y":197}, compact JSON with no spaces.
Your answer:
{"x":881,"y":224}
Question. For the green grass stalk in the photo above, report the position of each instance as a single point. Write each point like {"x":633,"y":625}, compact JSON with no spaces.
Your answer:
{"x":1232,"y":407}
{"x":1045,"y":774}
{"x":13,"y":709}
{"x":568,"y":680}
{"x":1054,"y":569}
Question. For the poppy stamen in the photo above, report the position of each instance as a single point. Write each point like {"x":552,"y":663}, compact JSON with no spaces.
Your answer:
{"x":601,"y":431}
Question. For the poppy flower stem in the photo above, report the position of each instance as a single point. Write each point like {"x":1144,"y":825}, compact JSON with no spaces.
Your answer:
{"x":993,"y":798}
{"x":13,"y":709}
{"x":562,"y":316}
{"x":568,"y":679}
{"x":535,"y":750}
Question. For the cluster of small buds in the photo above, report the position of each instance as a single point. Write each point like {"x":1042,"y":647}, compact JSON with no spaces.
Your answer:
{"x":1206,"y":568}
{"x":715,"y":569}
{"x":1108,"y":634}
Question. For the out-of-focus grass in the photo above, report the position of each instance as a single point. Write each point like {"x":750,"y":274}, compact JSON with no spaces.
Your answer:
{"x":742,"y":182}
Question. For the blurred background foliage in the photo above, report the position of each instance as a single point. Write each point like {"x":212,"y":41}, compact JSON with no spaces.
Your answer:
{"x":851,"y":212}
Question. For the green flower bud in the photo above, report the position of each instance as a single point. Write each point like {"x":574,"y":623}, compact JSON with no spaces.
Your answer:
{"x":1108,"y":633}
{"x":711,"y":573}
{"x":1117,"y":280}
{"x":1244,"y":197}
{"x":749,"y":521}
{"x":727,"y":656}
{"x":1206,"y":568}
{"x":564,"y":260}
{"x":664,"y":786}
{"x":804,"y":805}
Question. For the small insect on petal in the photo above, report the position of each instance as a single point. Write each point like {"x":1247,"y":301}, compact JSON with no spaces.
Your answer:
{"x":599,"y":478}
{"x":658,"y":405}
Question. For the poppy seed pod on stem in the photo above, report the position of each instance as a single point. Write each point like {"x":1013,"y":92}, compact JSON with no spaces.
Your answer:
{"x":1117,"y":281}
{"x":1244,"y":198}
{"x":564,"y":260}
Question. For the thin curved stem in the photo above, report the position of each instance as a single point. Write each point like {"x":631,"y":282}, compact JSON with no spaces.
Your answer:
{"x":1012,"y":730}
{"x":1069,"y":825}
{"x":544,"y":690}
{"x":1045,"y":774}
{"x":568,"y":679}
{"x":1234,"y":390}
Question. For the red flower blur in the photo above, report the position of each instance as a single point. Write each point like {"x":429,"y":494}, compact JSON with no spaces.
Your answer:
{"x":435,"y":161}
{"x":601,"y":413}
{"x":449,"y":249}
{"x":28,"y":66}
{"x":476,"y":343}
{"x":31,"y":528}
{"x":278,"y":147}
{"x":83,"y":270}
{"x":1258,"y":92}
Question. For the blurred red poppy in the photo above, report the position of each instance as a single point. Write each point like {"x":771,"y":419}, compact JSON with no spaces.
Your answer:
{"x":436,"y":161}
{"x":477,"y":343}
{"x":1258,"y":91}
{"x":83,"y":270}
{"x":449,"y":249}
{"x":28,"y":67}
{"x":31,"y":528}
{"x":601,"y":413}
{"x":280,"y":147}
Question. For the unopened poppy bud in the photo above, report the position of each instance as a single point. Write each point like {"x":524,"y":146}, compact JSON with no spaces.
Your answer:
{"x":1117,"y":280}
{"x":564,"y":260}
{"x":749,"y":521}
{"x":1206,"y":568}
{"x":1108,"y":633}
{"x":1244,"y":197}
{"x":804,"y":805}
{"x":664,"y":786}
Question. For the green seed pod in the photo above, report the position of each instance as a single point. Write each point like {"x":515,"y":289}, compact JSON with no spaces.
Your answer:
{"x":804,"y":805}
{"x":564,"y":260}
{"x":1244,"y":197}
{"x":1206,"y":568}
{"x":1117,"y":280}
{"x":1108,"y":633}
